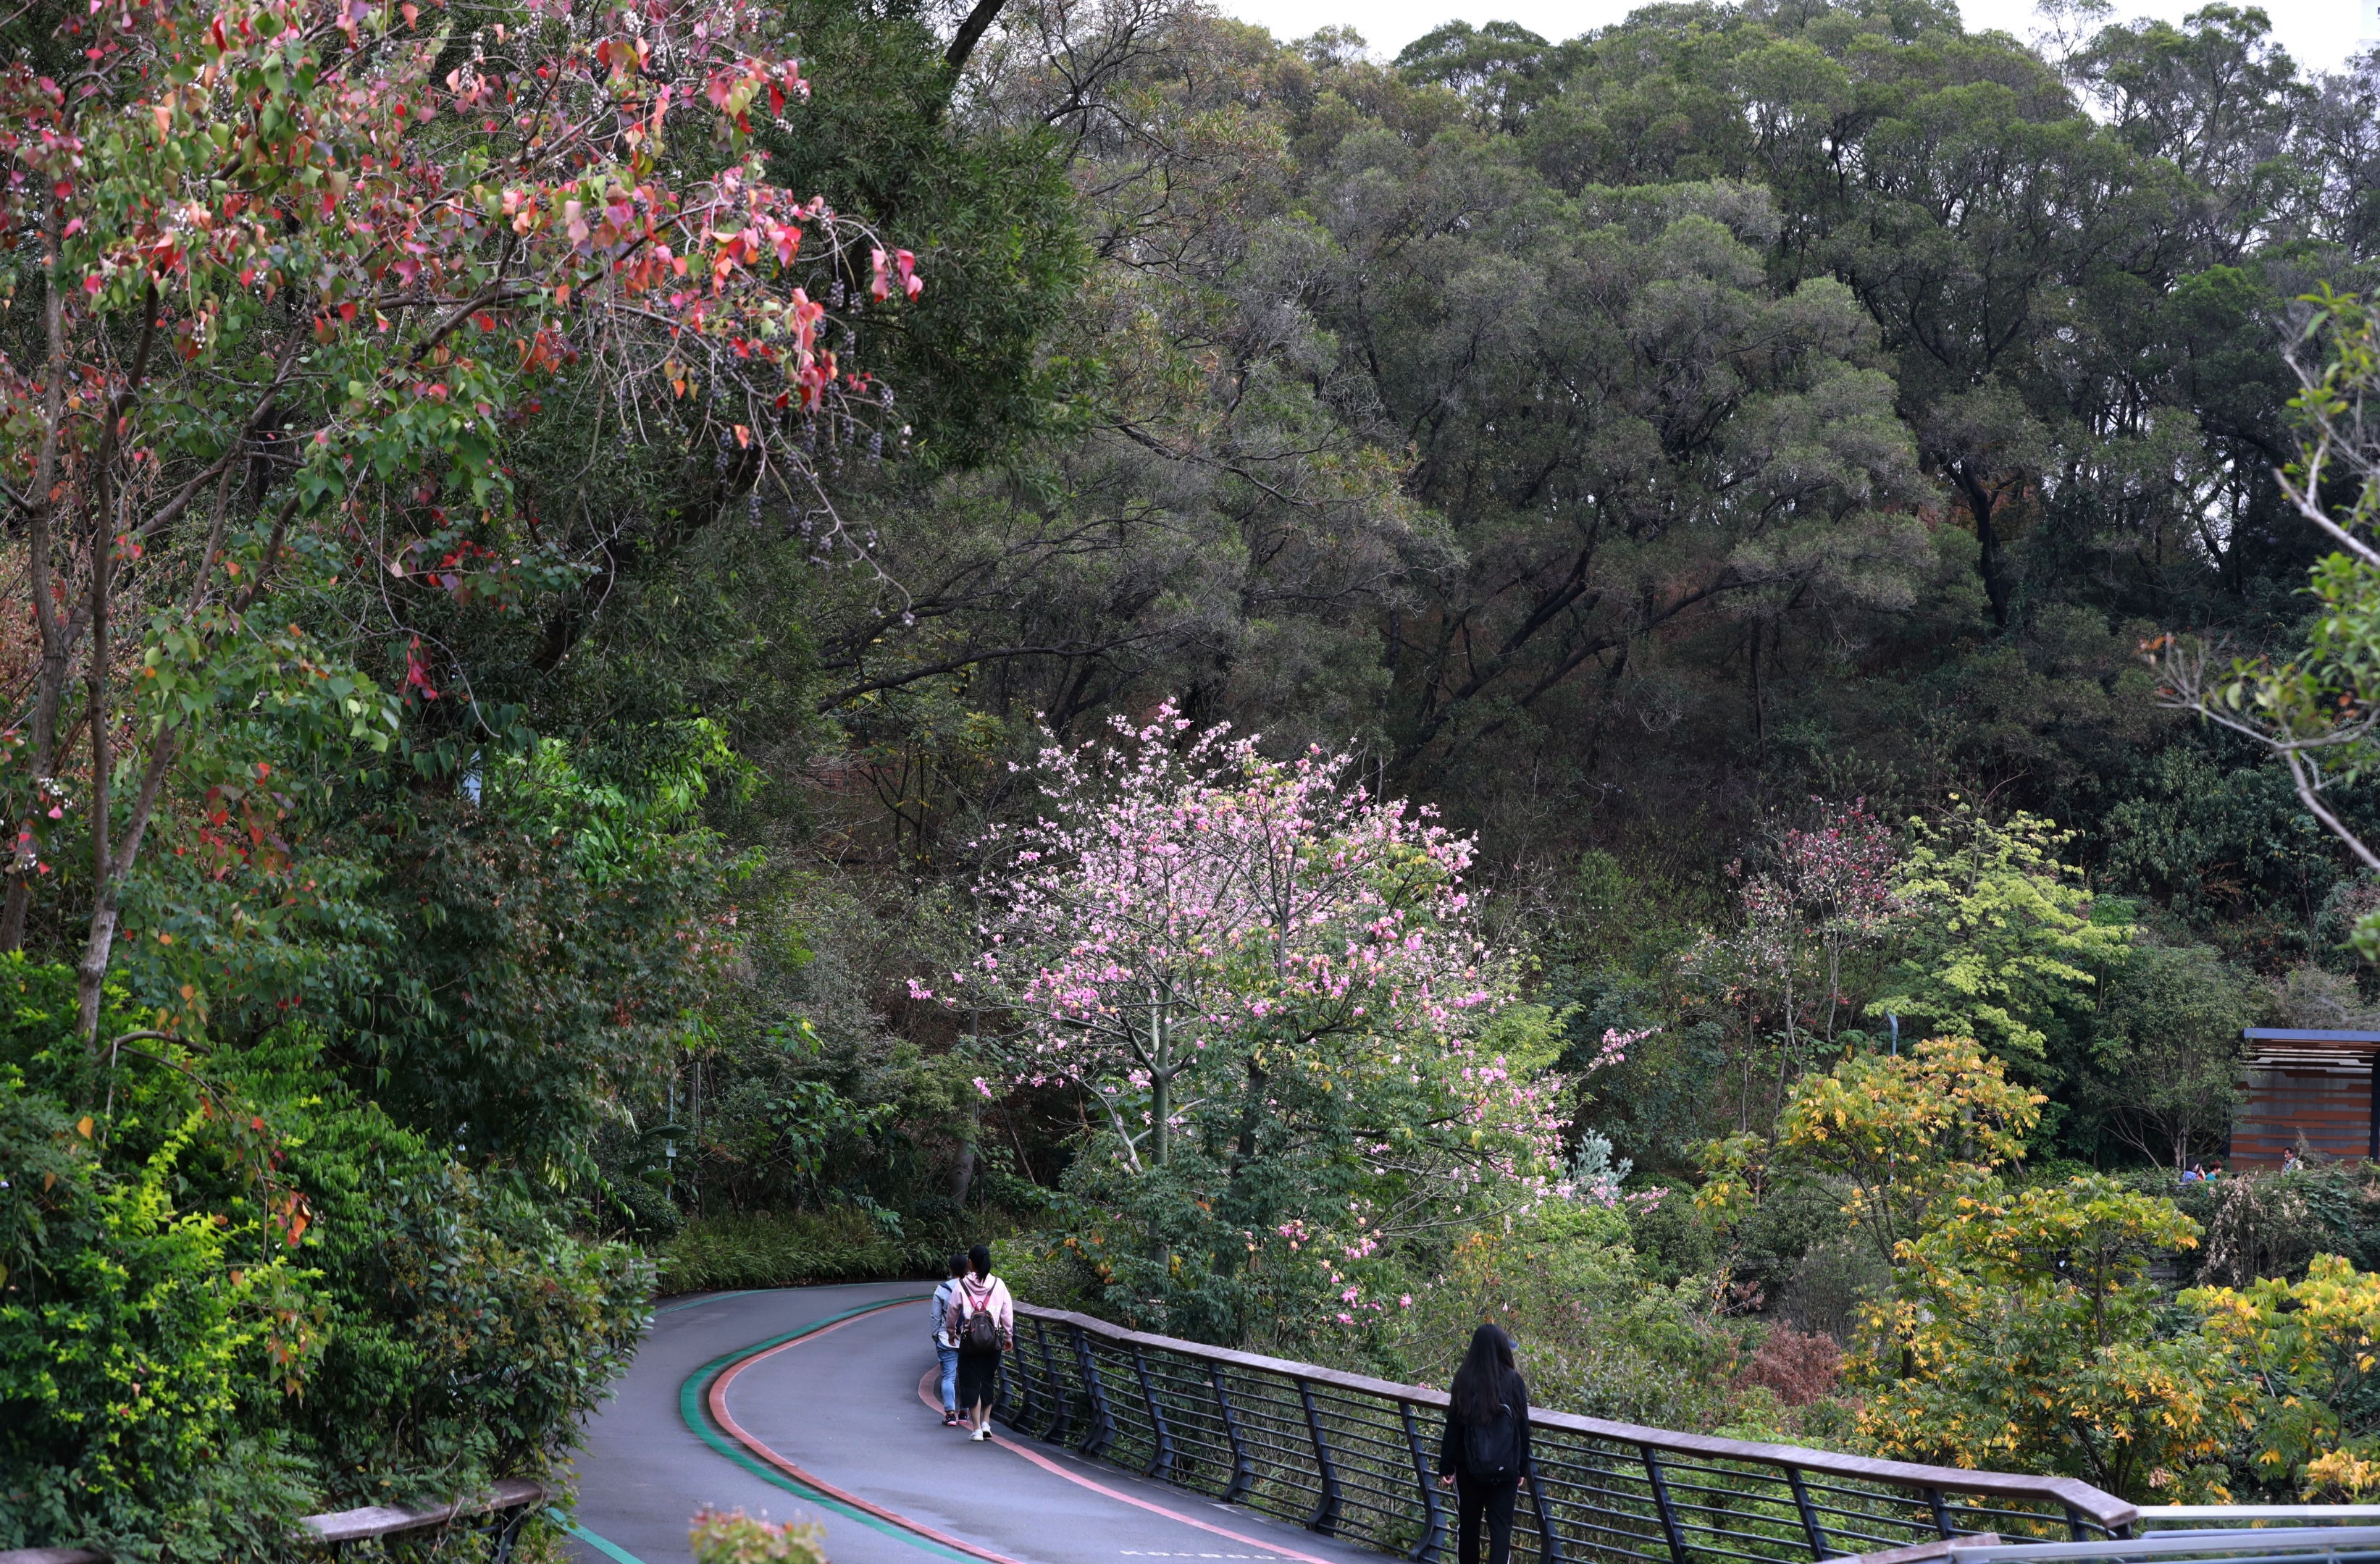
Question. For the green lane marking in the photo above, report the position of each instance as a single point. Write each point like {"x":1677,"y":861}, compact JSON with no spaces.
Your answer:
{"x":693,"y":1392}
{"x":746,"y":1292}
{"x":609,"y":1549}
{"x":715,"y":1298}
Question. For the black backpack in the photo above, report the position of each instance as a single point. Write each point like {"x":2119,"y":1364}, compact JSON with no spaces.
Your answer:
{"x":977,"y":1332}
{"x":1491,"y":1450}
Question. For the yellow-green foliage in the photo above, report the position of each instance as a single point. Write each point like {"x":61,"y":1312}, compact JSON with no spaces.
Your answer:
{"x":2002,"y":933}
{"x":2310,"y":1346}
{"x":1904,"y":1132}
{"x":2024,"y":1333}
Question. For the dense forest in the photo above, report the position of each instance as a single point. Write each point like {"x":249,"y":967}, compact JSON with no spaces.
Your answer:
{"x":1682,"y":685}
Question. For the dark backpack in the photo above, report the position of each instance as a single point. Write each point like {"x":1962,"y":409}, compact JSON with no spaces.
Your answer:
{"x":1491,"y":1450}
{"x":977,"y":1332}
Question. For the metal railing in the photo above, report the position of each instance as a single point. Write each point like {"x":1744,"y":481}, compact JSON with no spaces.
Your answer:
{"x":2197,"y":1517}
{"x":2225,"y":1544}
{"x":504,"y":1507}
{"x":1356,"y":1457}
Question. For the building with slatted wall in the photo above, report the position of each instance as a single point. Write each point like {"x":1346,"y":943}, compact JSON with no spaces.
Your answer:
{"x":2313,"y":1092}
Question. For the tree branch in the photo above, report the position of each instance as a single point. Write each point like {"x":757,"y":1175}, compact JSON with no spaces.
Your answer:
{"x":979,"y":21}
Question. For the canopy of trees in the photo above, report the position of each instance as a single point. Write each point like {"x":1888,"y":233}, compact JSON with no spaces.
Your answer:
{"x":1305,"y":681}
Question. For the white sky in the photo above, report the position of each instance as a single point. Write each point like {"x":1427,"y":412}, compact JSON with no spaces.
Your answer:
{"x":2320,"y":33}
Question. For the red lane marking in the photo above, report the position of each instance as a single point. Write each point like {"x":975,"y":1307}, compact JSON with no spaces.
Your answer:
{"x":736,"y":1431}
{"x":1037,"y":1459}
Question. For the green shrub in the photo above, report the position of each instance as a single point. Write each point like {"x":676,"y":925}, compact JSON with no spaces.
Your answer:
{"x":794,"y":1248}
{"x":229,"y":1297}
{"x":1042,"y":1268}
{"x":1673,"y":1239}
{"x":130,"y":1338}
{"x":469,"y":1333}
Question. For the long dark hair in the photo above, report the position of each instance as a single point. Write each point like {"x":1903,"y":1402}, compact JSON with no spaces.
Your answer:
{"x":1481,"y":1385}
{"x":980,"y":1258}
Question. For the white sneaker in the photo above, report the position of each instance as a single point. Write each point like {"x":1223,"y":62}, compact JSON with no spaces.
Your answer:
{"x":983,"y":1433}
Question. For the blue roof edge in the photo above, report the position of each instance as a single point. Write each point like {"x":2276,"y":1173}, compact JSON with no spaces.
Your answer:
{"x":2284,"y":1035}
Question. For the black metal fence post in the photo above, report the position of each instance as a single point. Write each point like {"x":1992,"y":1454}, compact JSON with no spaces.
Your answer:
{"x":1161,"y":1464}
{"x":1325,"y":1519}
{"x":1661,"y":1487}
{"x":2074,"y":1516}
{"x":1015,"y":1375}
{"x":1244,"y":1472}
{"x":1550,"y":1547}
{"x":1811,"y":1529}
{"x":1063,"y":1415}
{"x":1432,"y":1546}
{"x":1103,"y":1430}
{"x":1941,"y":1513}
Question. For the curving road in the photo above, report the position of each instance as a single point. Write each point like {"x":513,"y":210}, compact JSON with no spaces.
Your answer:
{"x":807,"y":1402}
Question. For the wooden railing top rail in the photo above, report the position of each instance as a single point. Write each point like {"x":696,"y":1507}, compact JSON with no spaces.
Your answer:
{"x":2095,"y":1505}
{"x":345,"y":1525}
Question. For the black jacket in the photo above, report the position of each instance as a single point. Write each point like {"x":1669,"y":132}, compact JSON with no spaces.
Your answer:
{"x":1449,"y":1446}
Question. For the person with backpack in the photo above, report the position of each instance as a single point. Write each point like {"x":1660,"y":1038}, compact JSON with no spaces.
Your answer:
{"x":946,"y":1341}
{"x":1486,"y":1451}
{"x":987,"y":1328}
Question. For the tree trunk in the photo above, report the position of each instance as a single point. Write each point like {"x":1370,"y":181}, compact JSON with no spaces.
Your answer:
{"x":963,"y":1177}
{"x":1759,"y":727}
{"x":1785,"y":1065}
{"x":1992,"y":562}
{"x":109,"y":865}
{"x":93,"y":972}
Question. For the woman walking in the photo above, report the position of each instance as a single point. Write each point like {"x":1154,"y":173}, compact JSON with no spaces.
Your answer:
{"x":946,"y":1340}
{"x":1486,"y":1451}
{"x":986,"y":1327}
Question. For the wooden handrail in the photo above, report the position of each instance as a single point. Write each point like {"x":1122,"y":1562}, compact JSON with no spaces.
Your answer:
{"x":345,"y":1525}
{"x":2101,"y":1507}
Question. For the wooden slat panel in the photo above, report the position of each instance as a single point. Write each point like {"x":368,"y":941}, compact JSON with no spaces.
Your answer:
{"x":2301,"y":1093}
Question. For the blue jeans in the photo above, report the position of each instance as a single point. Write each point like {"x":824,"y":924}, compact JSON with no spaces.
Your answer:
{"x":950,"y":1356}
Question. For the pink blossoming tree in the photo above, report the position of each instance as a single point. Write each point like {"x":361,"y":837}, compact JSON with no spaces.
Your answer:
{"x":1213,"y":943}
{"x":1827,"y":893}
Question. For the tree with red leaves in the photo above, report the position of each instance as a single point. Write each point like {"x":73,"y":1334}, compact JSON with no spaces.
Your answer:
{"x":283,"y":271}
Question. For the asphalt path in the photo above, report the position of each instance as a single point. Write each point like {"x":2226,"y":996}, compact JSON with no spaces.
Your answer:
{"x":805,"y":1403}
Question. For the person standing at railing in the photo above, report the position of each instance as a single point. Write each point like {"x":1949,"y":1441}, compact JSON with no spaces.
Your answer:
{"x":946,"y":1341}
{"x":987,"y":1328}
{"x":1486,"y":1451}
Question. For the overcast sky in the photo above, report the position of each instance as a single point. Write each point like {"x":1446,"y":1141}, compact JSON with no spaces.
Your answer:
{"x":2320,"y":33}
